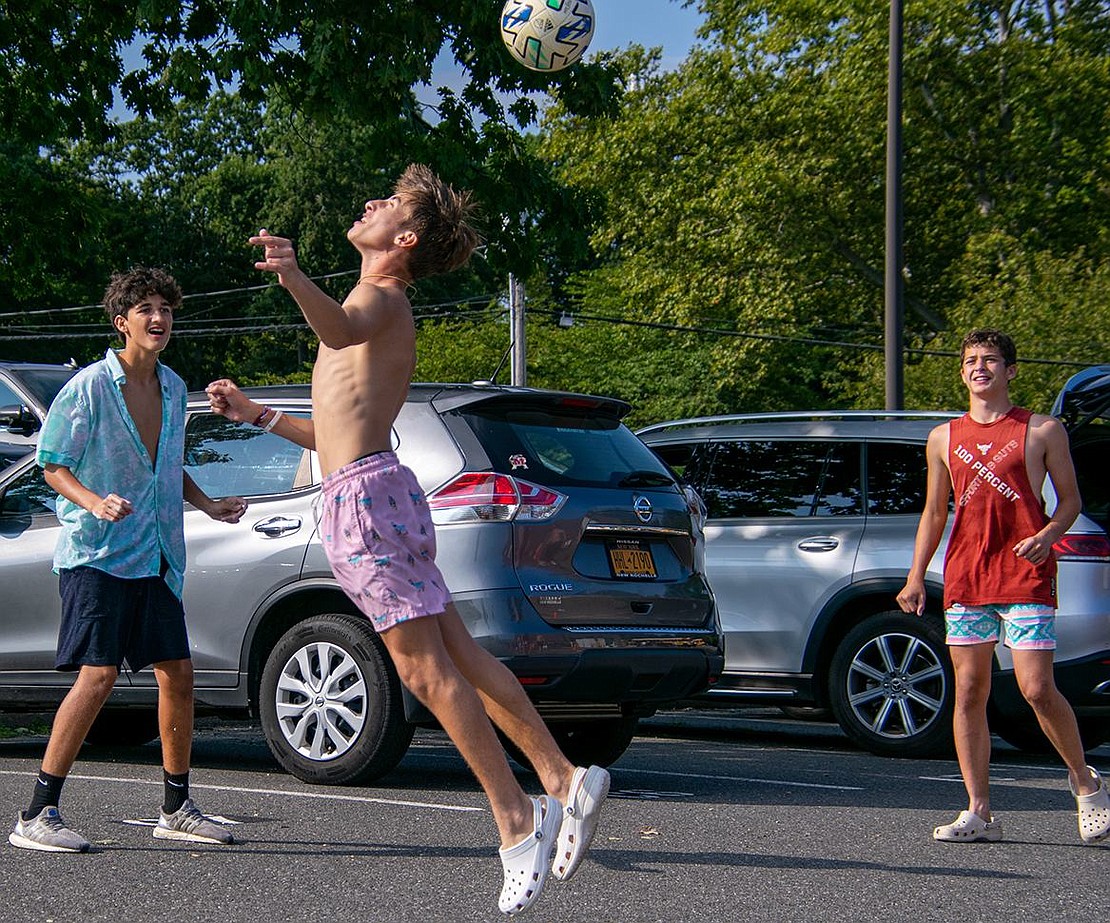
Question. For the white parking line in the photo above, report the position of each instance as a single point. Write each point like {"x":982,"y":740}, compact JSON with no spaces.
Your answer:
{"x":326,"y":796}
{"x":783,"y":782}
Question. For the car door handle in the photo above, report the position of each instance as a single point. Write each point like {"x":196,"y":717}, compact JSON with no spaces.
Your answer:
{"x":820,"y":543}
{"x":277,"y":525}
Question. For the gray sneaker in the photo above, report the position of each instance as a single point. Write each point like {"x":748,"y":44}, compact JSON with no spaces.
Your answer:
{"x":187,"y":823}
{"x":47,"y":832}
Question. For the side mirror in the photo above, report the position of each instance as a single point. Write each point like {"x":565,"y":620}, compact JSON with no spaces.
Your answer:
{"x":18,"y":420}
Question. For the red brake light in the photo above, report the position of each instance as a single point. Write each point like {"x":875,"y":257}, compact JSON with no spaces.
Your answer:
{"x":475,"y":487}
{"x":486,"y":496}
{"x":580,"y":403}
{"x":1083,"y":547}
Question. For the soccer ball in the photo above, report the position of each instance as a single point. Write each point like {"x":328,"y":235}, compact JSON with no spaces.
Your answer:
{"x":547,"y":35}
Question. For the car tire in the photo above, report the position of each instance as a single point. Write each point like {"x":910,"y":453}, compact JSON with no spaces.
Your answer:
{"x":123,"y":727}
{"x":595,"y":743}
{"x":331,"y":703}
{"x":891,"y":686}
{"x":1023,"y":732}
{"x":598,"y":742}
{"x":807,"y":712}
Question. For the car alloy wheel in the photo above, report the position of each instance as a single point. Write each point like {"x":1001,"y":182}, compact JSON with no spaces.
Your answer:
{"x":331,"y":704}
{"x":321,"y":700}
{"x":892,"y":687}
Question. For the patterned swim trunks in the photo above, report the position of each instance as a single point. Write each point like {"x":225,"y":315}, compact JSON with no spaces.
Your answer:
{"x":379,"y":539}
{"x":1028,"y":626}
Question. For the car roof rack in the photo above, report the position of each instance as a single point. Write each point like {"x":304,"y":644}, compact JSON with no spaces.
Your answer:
{"x":799,"y":415}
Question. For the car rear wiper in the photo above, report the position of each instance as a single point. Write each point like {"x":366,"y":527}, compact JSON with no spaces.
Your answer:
{"x":645,"y":479}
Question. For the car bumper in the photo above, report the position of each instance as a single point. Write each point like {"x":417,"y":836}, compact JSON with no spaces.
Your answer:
{"x":591,"y":671}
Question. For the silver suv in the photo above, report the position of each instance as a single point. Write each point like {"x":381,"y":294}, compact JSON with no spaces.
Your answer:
{"x":568,"y":547}
{"x":809,"y":534}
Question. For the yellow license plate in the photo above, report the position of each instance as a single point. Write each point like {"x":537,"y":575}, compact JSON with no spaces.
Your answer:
{"x":632,"y":561}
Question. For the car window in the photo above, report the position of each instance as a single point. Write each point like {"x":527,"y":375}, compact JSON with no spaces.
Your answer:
{"x":896,"y":478}
{"x":558,"y":447}
{"x":839,"y":493}
{"x":1091,"y":460}
{"x":28,"y":494}
{"x":752,"y":478}
{"x":689,"y":460}
{"x":8,"y":398}
{"x":237,"y":459}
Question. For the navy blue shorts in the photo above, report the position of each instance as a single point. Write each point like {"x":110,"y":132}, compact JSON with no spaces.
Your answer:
{"x":106,"y":620}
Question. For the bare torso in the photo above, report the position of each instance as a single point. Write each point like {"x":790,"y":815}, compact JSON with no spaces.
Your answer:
{"x":358,"y":391}
{"x":144,"y":403}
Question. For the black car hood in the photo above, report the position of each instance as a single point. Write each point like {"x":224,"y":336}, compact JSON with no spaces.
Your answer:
{"x":1084,"y":398}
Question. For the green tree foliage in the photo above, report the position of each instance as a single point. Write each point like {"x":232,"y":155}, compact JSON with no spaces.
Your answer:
{"x":1054,"y":307}
{"x":716,"y":231}
{"x":288,"y":115}
{"x":64,"y":64}
{"x":745,"y":191}
{"x":664,"y":378}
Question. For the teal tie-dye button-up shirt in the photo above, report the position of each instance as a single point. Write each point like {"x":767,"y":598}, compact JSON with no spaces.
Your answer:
{"x":90,"y":431}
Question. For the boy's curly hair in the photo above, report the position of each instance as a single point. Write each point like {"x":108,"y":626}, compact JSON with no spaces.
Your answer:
{"x":127,"y":289}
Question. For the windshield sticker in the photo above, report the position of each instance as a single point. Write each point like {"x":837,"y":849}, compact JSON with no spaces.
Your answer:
{"x":518,"y":461}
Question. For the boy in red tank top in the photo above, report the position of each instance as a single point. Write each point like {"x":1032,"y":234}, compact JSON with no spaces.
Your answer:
{"x":1000,"y":574}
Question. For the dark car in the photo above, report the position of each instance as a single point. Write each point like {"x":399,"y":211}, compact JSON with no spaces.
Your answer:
{"x":26,"y":392}
{"x":568,"y":547}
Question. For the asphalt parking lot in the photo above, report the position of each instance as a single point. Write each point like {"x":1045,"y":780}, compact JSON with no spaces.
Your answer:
{"x":713,"y":817}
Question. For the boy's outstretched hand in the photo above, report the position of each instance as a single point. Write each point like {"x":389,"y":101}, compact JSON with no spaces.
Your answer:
{"x":227,"y":400}
{"x":278,"y":255}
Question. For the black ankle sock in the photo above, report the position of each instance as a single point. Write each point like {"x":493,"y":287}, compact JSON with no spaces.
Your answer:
{"x":177,"y":791}
{"x":48,"y":791}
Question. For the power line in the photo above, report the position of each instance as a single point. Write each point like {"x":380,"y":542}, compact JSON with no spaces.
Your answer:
{"x":196,"y":296}
{"x":420,"y":311}
{"x":495,"y":309}
{"x":211,"y":331}
{"x":810,"y":341}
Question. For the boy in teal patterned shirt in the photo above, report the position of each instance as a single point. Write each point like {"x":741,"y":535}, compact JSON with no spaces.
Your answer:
{"x":112,"y":446}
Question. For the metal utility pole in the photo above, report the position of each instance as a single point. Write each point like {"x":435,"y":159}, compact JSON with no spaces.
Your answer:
{"x":894,"y":314}
{"x":519,"y":346}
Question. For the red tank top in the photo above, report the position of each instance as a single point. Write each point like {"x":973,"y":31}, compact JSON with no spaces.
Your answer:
{"x":995,"y":508}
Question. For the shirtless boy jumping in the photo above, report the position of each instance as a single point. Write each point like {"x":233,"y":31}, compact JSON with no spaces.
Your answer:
{"x":359,"y":384}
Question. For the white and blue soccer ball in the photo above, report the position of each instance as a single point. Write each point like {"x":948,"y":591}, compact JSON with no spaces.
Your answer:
{"x":547,"y":35}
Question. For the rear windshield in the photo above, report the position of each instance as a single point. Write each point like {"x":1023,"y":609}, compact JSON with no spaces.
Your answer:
{"x":571,"y":448}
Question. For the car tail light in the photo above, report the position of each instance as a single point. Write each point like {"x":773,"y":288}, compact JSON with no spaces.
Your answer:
{"x":1083,"y":547}
{"x":484,"y":496}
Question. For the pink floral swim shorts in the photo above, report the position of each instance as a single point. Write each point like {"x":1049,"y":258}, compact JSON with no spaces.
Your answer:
{"x":379,"y":539}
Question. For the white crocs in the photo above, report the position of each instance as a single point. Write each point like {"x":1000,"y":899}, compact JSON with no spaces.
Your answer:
{"x":969,"y":828}
{"x":526,"y":863}
{"x":1094,"y":811}
{"x":588,"y":790}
